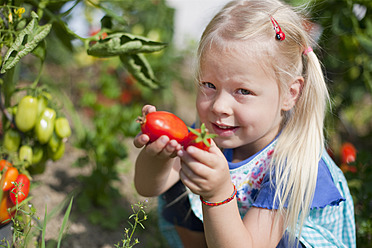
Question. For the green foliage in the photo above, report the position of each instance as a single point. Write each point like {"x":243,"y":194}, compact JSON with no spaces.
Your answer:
{"x":25,"y":42}
{"x":28,"y":231}
{"x":138,"y":216}
{"x":360,"y":184}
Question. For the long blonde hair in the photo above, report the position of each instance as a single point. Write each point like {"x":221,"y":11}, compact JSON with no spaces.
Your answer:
{"x":301,"y":142}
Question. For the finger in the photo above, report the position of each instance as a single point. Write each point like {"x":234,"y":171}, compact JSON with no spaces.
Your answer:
{"x":189,"y":182}
{"x":148,"y":109}
{"x":156,"y":147}
{"x":171,"y":149}
{"x":194,"y":168}
{"x":140,"y":140}
{"x":209,"y":158}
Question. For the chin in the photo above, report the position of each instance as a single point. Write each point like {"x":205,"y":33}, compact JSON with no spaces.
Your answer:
{"x":225,"y":144}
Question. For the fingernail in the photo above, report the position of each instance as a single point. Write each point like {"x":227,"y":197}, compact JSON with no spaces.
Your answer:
{"x":180,"y":153}
{"x":164,"y":139}
{"x":190,"y":149}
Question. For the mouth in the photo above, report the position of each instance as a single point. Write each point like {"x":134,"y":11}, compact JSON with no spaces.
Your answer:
{"x":223,"y":129}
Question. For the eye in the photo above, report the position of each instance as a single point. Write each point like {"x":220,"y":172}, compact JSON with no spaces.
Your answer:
{"x":208,"y":85}
{"x":244,"y":92}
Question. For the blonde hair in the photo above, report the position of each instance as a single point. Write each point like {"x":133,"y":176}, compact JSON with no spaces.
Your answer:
{"x":301,"y":142}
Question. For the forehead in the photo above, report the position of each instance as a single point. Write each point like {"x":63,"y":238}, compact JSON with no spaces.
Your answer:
{"x":237,"y":56}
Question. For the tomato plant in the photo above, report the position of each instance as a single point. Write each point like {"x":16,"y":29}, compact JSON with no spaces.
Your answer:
{"x":199,"y":138}
{"x":156,"y":124}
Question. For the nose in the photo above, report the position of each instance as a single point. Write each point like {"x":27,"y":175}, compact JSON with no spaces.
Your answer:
{"x":222,"y":104}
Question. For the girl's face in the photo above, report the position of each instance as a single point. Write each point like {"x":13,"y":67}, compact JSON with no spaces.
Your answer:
{"x":238,"y":101}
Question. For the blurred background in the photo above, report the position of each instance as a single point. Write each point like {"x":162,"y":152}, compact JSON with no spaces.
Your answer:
{"x":96,"y":63}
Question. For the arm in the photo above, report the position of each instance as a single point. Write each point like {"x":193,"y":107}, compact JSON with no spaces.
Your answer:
{"x":207,"y":174}
{"x":157,"y":167}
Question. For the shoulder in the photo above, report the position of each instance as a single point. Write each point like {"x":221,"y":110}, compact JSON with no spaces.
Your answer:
{"x":326,"y":190}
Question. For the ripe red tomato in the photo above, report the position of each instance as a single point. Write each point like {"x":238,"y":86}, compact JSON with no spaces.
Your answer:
{"x":5,"y":216}
{"x":348,"y":153}
{"x":156,"y":124}
{"x":199,"y":138}
{"x":5,"y":164}
{"x":8,"y":177}
{"x":20,"y":188}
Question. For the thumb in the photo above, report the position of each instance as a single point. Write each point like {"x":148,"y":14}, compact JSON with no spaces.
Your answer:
{"x":141,"y":140}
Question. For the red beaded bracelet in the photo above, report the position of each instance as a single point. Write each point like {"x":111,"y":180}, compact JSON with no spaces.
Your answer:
{"x":221,"y":202}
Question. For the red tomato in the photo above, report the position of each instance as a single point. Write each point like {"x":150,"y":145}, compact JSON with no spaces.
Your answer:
{"x":10,"y":176}
{"x":5,"y":216}
{"x":5,"y":164}
{"x":199,"y":138}
{"x":159,"y":123}
{"x":348,"y":153}
{"x":20,"y":188}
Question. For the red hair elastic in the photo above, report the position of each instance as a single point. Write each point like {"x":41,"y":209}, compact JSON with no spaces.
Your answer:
{"x":307,"y":50}
{"x":279,"y":33}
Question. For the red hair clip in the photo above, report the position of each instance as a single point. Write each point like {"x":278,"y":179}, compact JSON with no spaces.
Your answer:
{"x":279,"y":33}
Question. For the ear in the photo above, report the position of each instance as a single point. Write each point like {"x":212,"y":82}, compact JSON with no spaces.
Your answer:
{"x":292,"y":94}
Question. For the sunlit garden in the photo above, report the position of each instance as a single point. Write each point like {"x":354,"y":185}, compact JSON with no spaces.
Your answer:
{"x":70,"y":101}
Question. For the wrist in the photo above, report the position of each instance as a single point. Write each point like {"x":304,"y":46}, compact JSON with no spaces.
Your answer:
{"x":211,"y":203}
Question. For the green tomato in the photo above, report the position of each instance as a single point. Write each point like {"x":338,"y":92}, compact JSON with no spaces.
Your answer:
{"x":12,"y":140}
{"x":54,"y":142}
{"x":42,"y":102}
{"x":62,"y":127}
{"x":56,"y":155}
{"x":38,"y":167}
{"x":45,"y":125}
{"x":26,"y":115}
{"x":37,"y":154}
{"x":25,"y":154}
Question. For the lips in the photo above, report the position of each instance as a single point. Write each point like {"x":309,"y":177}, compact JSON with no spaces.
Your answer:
{"x":224,"y":130}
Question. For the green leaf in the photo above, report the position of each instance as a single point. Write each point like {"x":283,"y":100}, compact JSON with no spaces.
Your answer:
{"x":365,"y":42}
{"x":123,"y":43}
{"x":64,"y":223}
{"x":141,"y":70}
{"x":44,"y":228}
{"x":25,"y":42}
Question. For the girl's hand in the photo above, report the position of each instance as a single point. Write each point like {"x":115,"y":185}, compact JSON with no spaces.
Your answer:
{"x":206,"y":173}
{"x":162,"y":147}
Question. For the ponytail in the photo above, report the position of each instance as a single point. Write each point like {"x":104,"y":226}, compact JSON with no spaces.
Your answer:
{"x":300,"y":147}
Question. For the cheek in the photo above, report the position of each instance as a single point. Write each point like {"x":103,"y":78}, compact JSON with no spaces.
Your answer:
{"x":202,"y":103}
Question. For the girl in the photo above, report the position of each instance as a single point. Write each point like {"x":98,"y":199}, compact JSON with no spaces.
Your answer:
{"x":262,"y":91}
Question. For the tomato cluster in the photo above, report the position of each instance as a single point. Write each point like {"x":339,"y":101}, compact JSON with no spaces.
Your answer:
{"x":15,"y":187}
{"x":156,"y":124}
{"x":36,"y":134}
